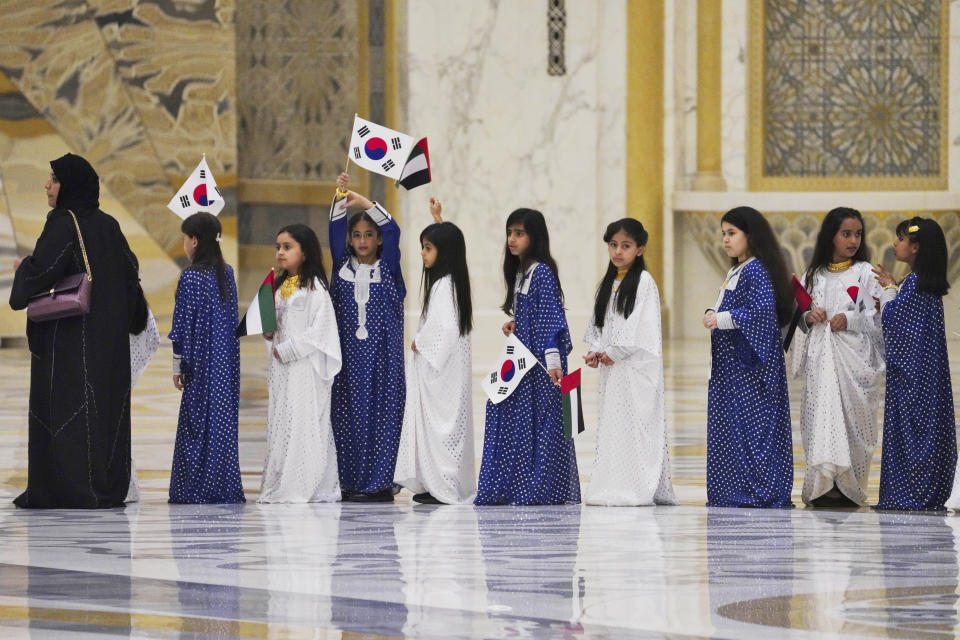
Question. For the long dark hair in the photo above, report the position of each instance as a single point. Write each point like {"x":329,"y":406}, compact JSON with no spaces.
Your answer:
{"x":538,"y":251}
{"x":930,"y":263}
{"x":451,"y":260}
{"x":627,"y":293}
{"x":823,"y":249}
{"x":206,"y":229}
{"x":763,"y":245}
{"x":354,"y":220}
{"x":312,"y":265}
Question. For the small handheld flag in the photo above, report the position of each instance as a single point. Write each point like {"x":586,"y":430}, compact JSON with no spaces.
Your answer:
{"x":804,"y":302}
{"x":416,"y":171}
{"x":800,"y":293}
{"x":198,"y":193}
{"x":572,"y":407}
{"x":261,"y":315}
{"x":378,"y":149}
{"x":515,"y":361}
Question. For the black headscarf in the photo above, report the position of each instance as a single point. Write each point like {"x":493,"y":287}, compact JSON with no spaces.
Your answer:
{"x":79,"y":183}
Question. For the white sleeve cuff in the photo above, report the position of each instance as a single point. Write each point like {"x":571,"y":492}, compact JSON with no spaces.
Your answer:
{"x":552,"y":356}
{"x":338,"y":209}
{"x":617,"y":354}
{"x":854,"y":320}
{"x":285,"y":350}
{"x":725,"y":321}
{"x":888,"y":295}
{"x":379,"y":214}
{"x":176,"y":364}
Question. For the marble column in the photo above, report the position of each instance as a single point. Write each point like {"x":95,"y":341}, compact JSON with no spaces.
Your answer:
{"x":709,"y":58}
{"x":645,"y":101}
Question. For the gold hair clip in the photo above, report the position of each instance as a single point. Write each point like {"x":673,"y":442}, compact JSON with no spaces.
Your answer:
{"x":913,"y":228}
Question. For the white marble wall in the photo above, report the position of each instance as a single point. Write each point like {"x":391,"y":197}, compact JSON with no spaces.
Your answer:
{"x":504,"y":134}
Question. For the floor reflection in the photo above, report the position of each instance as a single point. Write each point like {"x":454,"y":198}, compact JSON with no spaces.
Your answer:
{"x":449,"y":573}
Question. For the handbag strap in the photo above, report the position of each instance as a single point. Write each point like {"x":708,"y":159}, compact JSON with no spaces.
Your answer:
{"x":83,"y":249}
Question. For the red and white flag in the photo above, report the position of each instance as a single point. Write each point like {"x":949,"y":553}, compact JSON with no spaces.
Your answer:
{"x":379,"y":149}
{"x":198,"y":193}
{"x":514,"y":362}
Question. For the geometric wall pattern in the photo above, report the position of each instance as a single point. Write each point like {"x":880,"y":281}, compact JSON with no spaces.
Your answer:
{"x":297,"y":81}
{"x":854,"y":89}
{"x":139,"y":87}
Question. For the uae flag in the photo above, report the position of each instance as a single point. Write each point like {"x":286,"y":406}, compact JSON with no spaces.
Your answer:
{"x":572,"y":407}
{"x":261,"y":315}
{"x":804,"y":302}
{"x":800,"y":293}
{"x":416,"y":170}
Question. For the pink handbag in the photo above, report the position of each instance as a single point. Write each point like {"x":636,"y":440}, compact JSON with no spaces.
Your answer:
{"x":67,"y":298}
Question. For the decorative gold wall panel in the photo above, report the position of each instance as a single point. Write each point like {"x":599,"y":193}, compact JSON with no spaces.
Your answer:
{"x":139,"y":87}
{"x":848,"y":94}
{"x":298,"y":84}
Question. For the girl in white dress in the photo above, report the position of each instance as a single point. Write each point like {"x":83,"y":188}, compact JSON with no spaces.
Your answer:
{"x":632,"y":466}
{"x":301,"y":462}
{"x":435,"y":460}
{"x":840,"y":354}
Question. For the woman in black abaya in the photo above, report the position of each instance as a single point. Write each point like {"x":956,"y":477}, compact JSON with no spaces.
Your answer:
{"x":79,"y":419}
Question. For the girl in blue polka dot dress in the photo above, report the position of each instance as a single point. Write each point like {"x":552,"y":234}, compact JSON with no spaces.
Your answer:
{"x":206,"y":368}
{"x":369,"y":392}
{"x":919,"y":437}
{"x":526,"y":459}
{"x":749,"y":445}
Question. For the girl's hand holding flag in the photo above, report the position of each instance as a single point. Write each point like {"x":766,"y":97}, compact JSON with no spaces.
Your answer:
{"x":354,"y":199}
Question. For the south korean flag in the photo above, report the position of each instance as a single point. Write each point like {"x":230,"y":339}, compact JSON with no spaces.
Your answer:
{"x":514,"y":362}
{"x":198,"y":193}
{"x":378,"y":149}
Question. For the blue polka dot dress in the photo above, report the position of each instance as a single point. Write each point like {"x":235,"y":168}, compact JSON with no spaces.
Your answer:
{"x":526,"y":459}
{"x":749,"y":445}
{"x":370,"y":390}
{"x":206,"y":468}
{"x":919,"y":437}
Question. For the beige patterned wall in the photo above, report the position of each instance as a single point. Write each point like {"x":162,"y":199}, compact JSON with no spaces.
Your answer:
{"x":797,"y":233}
{"x":27,"y":143}
{"x":140,"y":87}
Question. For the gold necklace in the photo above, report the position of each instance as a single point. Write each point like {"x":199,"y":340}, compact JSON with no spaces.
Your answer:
{"x":289,"y":286}
{"x":834,"y":267}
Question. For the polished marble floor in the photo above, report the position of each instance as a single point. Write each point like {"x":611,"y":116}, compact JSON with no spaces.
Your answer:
{"x":401,"y":570}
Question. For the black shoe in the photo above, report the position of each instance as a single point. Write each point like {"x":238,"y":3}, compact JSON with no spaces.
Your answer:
{"x":379,"y":496}
{"x":426,"y":498}
{"x":834,"y":502}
